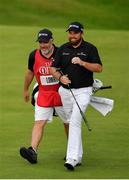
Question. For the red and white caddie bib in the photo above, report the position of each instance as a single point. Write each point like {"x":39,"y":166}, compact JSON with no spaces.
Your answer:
{"x":48,"y":86}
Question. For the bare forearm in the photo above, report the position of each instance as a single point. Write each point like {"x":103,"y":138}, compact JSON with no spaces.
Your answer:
{"x":63,"y":78}
{"x":92,"y":66}
{"x":28,"y":79}
{"x":55,"y":73}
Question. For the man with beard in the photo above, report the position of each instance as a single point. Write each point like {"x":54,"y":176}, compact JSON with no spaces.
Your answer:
{"x":76,"y":60}
{"x":48,"y":97}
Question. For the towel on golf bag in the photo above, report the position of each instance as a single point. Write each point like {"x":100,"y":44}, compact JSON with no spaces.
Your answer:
{"x":101,"y":104}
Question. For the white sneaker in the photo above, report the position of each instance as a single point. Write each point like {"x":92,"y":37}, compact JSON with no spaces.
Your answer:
{"x":71,"y":163}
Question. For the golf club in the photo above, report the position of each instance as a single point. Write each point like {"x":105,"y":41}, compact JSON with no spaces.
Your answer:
{"x":101,"y":88}
{"x":106,"y":87}
{"x":81,"y":112}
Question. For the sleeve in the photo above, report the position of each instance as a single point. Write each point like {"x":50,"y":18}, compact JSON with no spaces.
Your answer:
{"x":31,"y":60}
{"x":94,"y":56}
{"x":57,"y":59}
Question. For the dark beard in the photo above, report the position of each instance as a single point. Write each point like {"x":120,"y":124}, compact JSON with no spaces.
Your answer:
{"x":76,"y":42}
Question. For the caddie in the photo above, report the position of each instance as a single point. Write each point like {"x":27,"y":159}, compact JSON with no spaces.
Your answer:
{"x":39,"y":63}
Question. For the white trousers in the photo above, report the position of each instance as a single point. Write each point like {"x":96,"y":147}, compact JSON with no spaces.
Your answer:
{"x":82,"y":95}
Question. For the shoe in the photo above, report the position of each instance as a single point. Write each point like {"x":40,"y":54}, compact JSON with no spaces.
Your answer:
{"x":71,"y":163}
{"x":79,"y":161}
{"x":78,"y":164}
{"x":29,"y":154}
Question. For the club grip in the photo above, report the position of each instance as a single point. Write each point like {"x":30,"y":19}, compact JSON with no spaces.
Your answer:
{"x":106,"y":87}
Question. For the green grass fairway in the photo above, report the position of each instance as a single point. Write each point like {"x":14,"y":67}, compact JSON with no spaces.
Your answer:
{"x":100,"y":14}
{"x":106,"y":148}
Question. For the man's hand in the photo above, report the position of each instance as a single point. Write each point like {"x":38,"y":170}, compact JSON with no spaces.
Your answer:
{"x":65,"y":80}
{"x":26,"y":96}
{"x":77,"y":60}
